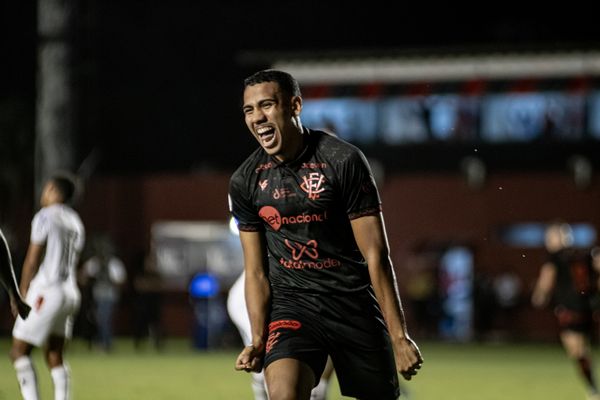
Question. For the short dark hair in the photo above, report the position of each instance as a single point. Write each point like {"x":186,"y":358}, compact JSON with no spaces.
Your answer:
{"x":288,"y":84}
{"x":66,"y":185}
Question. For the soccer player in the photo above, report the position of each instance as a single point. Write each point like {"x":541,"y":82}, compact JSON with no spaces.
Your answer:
{"x":319,"y":279}
{"x":571,"y":275}
{"x":48,"y":283}
{"x":107,"y":274}
{"x":8,"y":280}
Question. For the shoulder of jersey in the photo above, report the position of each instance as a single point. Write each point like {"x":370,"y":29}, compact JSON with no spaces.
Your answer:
{"x":330,"y":143}
{"x":258,"y":156}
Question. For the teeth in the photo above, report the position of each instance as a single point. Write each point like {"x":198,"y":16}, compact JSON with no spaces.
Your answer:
{"x":262,"y":130}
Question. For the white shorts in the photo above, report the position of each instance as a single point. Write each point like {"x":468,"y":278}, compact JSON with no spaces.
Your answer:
{"x":236,"y":308}
{"x":53,"y":310}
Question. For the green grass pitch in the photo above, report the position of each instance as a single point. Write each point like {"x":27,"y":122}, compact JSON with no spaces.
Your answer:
{"x":450,"y":371}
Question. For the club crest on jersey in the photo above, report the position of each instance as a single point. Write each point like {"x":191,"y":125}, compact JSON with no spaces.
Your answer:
{"x":312,"y":184}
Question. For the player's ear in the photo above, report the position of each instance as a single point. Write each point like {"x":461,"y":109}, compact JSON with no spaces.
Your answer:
{"x":296,"y":105}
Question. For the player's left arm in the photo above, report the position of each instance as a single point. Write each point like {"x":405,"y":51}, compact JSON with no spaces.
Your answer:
{"x":544,"y":285}
{"x":32,"y":262}
{"x":369,"y":233}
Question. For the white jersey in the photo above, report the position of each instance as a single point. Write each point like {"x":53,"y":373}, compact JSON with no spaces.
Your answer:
{"x":107,"y":277}
{"x":58,"y":227}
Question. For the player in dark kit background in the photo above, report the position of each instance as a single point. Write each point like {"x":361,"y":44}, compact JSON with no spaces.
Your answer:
{"x":569,"y":280}
{"x":8,"y":280}
{"x":319,"y":279}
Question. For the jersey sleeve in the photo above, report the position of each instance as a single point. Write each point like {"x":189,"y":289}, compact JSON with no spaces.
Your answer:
{"x":117,"y":271}
{"x":359,"y":192}
{"x":39,"y":229}
{"x":242,"y":207}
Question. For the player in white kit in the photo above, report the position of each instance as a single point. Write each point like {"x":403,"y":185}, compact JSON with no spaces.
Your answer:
{"x":48,"y":282}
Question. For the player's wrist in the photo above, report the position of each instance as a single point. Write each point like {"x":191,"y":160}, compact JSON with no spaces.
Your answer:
{"x":401,"y":338}
{"x":258,"y":344}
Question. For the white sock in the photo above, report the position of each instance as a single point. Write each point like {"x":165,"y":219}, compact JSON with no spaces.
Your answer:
{"x":27,"y":378}
{"x":259,"y":387}
{"x":319,"y":392}
{"x":60,"y":378}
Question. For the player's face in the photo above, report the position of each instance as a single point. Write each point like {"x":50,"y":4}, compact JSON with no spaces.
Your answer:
{"x":272,"y":117}
{"x":557,"y":238}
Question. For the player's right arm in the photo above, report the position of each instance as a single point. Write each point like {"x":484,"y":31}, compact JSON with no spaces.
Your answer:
{"x":32,"y":262}
{"x":544,"y":285}
{"x":258,"y":297}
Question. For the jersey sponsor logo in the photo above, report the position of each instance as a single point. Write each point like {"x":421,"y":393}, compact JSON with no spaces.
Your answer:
{"x":301,"y":264}
{"x":277,"y":325}
{"x":282,"y":193}
{"x":263,"y":184}
{"x":284,"y":324}
{"x":263,"y":167}
{"x":272,"y":217}
{"x":299,"y":250}
{"x":314,"y":165}
{"x":312,"y":184}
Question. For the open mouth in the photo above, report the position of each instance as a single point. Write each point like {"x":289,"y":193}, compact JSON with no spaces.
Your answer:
{"x":266,"y":136}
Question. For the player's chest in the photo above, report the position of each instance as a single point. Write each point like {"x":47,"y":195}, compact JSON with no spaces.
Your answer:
{"x":296,"y":191}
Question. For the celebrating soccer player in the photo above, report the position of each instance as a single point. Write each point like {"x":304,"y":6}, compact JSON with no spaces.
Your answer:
{"x":319,"y":278}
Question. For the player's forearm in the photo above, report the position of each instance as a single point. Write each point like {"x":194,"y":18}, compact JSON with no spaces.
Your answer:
{"x":30,"y":267}
{"x":544,"y":285}
{"x":27,"y":275}
{"x":384,"y":283}
{"x":258,"y":297}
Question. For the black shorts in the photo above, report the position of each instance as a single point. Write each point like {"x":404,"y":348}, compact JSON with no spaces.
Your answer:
{"x":574,"y":320}
{"x":343,"y":328}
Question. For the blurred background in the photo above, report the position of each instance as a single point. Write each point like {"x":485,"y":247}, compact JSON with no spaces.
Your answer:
{"x":481,"y":127}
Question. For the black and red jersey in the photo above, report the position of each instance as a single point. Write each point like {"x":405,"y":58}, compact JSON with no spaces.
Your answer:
{"x":305,"y":207}
{"x":575,"y":278}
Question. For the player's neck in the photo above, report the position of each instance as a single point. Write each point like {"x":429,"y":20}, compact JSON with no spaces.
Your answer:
{"x":51,"y":203}
{"x":294,"y":150}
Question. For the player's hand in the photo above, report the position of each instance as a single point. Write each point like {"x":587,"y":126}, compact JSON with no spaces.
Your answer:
{"x":18,"y":307}
{"x":250,"y":359}
{"x":14,"y":308}
{"x":408,"y":357}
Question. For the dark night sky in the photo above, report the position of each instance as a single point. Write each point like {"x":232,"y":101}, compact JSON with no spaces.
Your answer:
{"x":159,"y":84}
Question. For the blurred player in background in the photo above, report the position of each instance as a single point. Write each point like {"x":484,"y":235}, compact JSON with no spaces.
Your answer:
{"x":106,"y":273}
{"x":319,"y":279}
{"x":9,"y":281}
{"x":236,"y":308}
{"x":570,"y":278}
{"x":48,"y":282}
